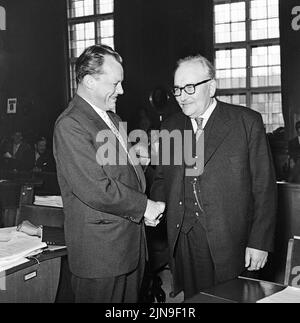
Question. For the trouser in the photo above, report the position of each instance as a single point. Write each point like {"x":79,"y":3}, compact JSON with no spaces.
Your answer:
{"x":119,"y":289}
{"x":194,"y":268}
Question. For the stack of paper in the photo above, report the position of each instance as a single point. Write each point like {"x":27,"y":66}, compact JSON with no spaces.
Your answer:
{"x":49,"y":200}
{"x":287,"y":295}
{"x":15,"y":246}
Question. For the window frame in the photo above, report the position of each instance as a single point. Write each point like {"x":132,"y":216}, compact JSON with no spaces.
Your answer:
{"x":248,"y":44}
{"x":95,"y":18}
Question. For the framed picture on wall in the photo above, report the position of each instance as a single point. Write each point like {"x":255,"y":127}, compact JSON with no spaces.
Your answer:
{"x":12,"y":105}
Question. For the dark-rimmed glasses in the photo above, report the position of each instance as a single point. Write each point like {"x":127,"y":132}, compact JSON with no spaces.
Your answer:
{"x":188,"y":89}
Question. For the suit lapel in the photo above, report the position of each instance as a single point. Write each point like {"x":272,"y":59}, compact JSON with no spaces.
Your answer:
{"x":215,"y":131}
{"x":137,"y":168}
{"x":91,"y":114}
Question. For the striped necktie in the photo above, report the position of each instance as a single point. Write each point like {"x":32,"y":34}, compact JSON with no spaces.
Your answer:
{"x":199,"y":130}
{"x":110,"y":121}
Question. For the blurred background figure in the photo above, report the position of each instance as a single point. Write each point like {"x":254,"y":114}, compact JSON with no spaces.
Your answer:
{"x":43,"y":157}
{"x":294,"y":145}
{"x":280,"y":154}
{"x":17,"y":154}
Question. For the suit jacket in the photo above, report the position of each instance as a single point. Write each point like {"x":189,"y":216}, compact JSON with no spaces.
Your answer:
{"x":294,"y":149}
{"x":45,"y":162}
{"x":238,"y":187}
{"x":23,"y":159}
{"x":103,"y":204}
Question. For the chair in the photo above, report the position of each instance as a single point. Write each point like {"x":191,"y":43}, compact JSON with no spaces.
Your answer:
{"x":292,"y":271}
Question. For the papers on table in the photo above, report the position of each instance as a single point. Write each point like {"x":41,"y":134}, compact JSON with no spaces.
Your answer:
{"x":287,"y":295}
{"x":15,"y":246}
{"x":13,"y":264}
{"x":49,"y":200}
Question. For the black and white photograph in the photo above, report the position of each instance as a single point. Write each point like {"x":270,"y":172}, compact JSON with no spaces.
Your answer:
{"x":150,"y":154}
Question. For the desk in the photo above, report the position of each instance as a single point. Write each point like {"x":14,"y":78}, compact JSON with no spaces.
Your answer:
{"x":239,"y":290}
{"x":34,"y":281}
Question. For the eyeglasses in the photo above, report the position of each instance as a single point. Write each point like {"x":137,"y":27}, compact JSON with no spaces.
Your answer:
{"x":188,"y":89}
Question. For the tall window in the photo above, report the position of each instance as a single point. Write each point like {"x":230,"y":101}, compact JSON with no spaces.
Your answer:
{"x":247,"y":56}
{"x":90,"y":22}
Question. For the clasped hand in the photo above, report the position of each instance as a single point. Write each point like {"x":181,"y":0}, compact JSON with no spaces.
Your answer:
{"x":154,"y":212}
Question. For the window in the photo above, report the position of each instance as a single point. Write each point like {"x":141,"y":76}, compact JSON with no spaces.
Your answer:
{"x":90,"y":22}
{"x":247,"y":56}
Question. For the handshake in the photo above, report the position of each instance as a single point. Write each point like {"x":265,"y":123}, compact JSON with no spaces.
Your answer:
{"x":154,"y":212}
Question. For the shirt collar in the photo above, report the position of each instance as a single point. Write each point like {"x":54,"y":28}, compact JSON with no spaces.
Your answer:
{"x":100,"y":112}
{"x":205,"y":115}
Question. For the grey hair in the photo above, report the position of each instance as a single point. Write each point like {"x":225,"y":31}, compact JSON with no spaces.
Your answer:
{"x":199,"y":59}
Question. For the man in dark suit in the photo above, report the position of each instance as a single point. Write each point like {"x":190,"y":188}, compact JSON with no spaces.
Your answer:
{"x":294,"y":145}
{"x":44,"y":160}
{"x":18,"y":154}
{"x":104,"y":202}
{"x":220,"y":218}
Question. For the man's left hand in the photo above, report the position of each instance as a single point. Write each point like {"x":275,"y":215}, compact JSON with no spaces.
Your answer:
{"x":255,"y":259}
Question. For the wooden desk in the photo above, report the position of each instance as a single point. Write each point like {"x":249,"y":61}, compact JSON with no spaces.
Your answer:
{"x":34,"y":281}
{"x":239,"y":290}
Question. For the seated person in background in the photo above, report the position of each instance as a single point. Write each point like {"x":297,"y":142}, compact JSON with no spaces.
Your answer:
{"x":17,"y":154}
{"x":294,"y":176}
{"x":294,"y":145}
{"x":43,"y":157}
{"x":50,"y":235}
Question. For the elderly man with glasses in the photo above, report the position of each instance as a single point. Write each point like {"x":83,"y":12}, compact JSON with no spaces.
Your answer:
{"x":220,"y":218}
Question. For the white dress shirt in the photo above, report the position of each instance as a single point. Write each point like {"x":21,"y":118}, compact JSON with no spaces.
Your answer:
{"x":205,"y":115}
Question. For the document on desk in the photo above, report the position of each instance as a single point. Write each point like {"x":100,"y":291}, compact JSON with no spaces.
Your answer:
{"x":287,"y":295}
{"x":12,"y":264}
{"x":49,"y":200}
{"x":15,"y":245}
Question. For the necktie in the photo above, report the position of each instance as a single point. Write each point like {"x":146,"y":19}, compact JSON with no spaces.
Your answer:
{"x":109,"y":119}
{"x":199,"y":130}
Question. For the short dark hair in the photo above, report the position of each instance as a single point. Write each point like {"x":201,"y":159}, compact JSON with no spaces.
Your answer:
{"x":297,"y":125}
{"x":91,"y":60}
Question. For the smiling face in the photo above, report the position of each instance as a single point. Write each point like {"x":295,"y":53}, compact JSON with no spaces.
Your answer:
{"x":192,"y":72}
{"x":106,"y":87}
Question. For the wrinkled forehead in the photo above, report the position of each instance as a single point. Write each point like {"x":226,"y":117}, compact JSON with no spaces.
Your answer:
{"x":190,"y":72}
